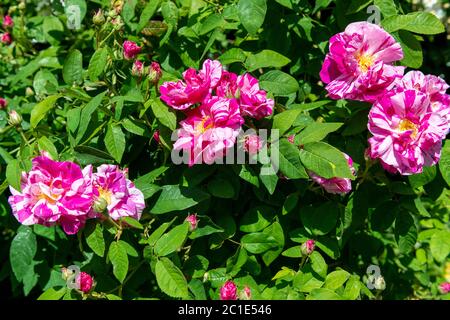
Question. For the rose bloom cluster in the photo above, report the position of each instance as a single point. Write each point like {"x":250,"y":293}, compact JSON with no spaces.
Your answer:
{"x":63,"y":193}
{"x":215,"y":102}
{"x":7,"y":25}
{"x":410,"y":115}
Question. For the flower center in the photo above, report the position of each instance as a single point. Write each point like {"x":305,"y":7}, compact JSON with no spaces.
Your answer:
{"x":204,"y":125}
{"x":407,"y":125}
{"x":365,"y":61}
{"x":105,"y":194}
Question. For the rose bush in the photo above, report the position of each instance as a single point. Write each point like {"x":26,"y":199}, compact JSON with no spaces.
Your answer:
{"x":236,"y":149}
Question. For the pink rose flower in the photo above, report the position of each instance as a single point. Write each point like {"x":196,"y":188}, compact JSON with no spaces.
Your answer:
{"x":444,"y":287}
{"x":359,"y":64}
{"x":122,"y":198}
{"x":130,"y":50}
{"x":209,"y":130}
{"x":253,"y":101}
{"x":6,"y":38}
{"x":434,"y":87}
{"x":85,"y":282}
{"x":53,"y":192}
{"x":195,"y":88}
{"x":228,"y":291}
{"x":138,"y":68}
{"x":3,"y":103}
{"x":8,"y":22}
{"x":406,"y":135}
{"x":193,"y":221}
{"x":308,"y":247}
{"x":335,"y":185}
{"x":252,"y":144}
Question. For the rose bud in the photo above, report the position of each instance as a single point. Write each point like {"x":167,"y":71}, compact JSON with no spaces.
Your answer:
{"x":245,"y":294}
{"x":308,"y":247}
{"x":444,"y":287}
{"x":99,"y":18}
{"x":85,"y":282}
{"x":8,"y":22}
{"x":193,"y":221}
{"x":156,"y":136}
{"x":3,"y":103}
{"x":138,"y":69}
{"x":6,"y":38}
{"x":252,"y":144}
{"x":154,"y":72}
{"x":130,"y":50}
{"x":228,"y":291}
{"x":15,"y":119}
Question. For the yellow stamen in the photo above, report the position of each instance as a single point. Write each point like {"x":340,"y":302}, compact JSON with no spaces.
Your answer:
{"x":365,"y":61}
{"x":406,"y":125}
{"x":105,"y":194}
{"x":201,"y":128}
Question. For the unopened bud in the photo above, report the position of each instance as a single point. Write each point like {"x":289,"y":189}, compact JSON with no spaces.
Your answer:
{"x":308,"y":247}
{"x":3,"y":103}
{"x":22,"y":5}
{"x":99,"y":18}
{"x":29,"y":92}
{"x":6,"y":38}
{"x":379,"y":284}
{"x":444,"y":287}
{"x":138,"y":69}
{"x":154,"y":72}
{"x":193,"y":221}
{"x":85,"y":282}
{"x":245,"y":294}
{"x":15,"y":119}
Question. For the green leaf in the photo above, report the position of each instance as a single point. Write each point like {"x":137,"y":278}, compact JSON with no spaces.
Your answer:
{"x":289,"y":160}
{"x":387,"y":7}
{"x":405,"y":232}
{"x":98,"y":63}
{"x":264,"y":59}
{"x":357,"y":5}
{"x":329,"y":246}
{"x":210,"y":23}
{"x":117,"y":254}
{"x":325,"y":160}
{"x":418,"y":22}
{"x":52,"y":294}
{"x":45,"y":144}
{"x":159,"y":232}
{"x":320,"y":220}
{"x":148,"y":12}
{"x":174,"y":198}
{"x":22,"y":251}
{"x":318,"y":264}
{"x":258,"y":242}
{"x":221,"y":188}
{"x":421,"y":179}
{"x":86,"y":115}
{"x":40,"y":110}
{"x":115,"y":142}
{"x":233,"y":55}
{"x":412,"y":50}
{"x":323,"y":294}
{"x":293,"y":252}
{"x":95,"y":240}
{"x":256,"y":219}
{"x":73,"y":67}
{"x":316,"y":131}
{"x":440,"y":245}
{"x":383,"y":216}
{"x":444,"y":163}
{"x":290,"y":203}
{"x":275,"y":230}
{"x":170,"y":279}
{"x":278,"y":83}
{"x":352,"y":288}
{"x":252,"y":14}
{"x":53,"y":29}
{"x":336,"y":279}
{"x":132,"y":222}
{"x":268,"y":177}
{"x":172,"y":241}
{"x":136,"y":127}
{"x":14,"y":174}
{"x":284,"y":120}
{"x":306,"y":282}
{"x":163,"y":114}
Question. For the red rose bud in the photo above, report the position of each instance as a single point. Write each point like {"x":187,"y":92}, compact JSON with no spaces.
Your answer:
{"x":308,"y":247}
{"x":444,"y":287}
{"x":252,"y":144}
{"x":228,"y":291}
{"x":85,"y":282}
{"x":3,"y":103}
{"x":291,"y":138}
{"x":6,"y":38}
{"x":8,"y":22}
{"x":154,"y":72}
{"x":156,"y":136}
{"x":193,"y":221}
{"x":130,"y":50}
{"x":245,"y":294}
{"x":138,"y":69}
